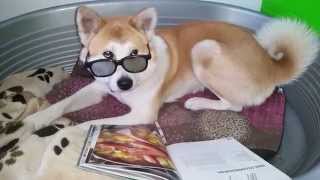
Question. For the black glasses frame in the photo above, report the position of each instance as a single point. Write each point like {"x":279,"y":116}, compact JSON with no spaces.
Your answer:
{"x":116,"y":63}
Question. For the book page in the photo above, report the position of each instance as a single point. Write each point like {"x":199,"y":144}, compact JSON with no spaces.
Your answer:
{"x":127,"y":150}
{"x":223,"y":159}
{"x":89,"y":144}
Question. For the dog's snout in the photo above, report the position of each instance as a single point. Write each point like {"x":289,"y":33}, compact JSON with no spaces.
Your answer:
{"x":125,"y":83}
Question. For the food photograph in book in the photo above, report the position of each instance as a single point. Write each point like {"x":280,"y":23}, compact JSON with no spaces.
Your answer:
{"x":131,"y":147}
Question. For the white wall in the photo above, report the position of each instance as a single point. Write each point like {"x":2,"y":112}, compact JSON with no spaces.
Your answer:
{"x":11,"y":8}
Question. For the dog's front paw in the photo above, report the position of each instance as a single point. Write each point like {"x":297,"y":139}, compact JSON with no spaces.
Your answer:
{"x":31,"y":123}
{"x":84,"y":126}
{"x":194,"y":104}
{"x":36,"y":121}
{"x":199,"y":103}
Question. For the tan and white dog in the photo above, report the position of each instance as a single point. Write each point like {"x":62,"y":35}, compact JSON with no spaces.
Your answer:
{"x":241,"y":68}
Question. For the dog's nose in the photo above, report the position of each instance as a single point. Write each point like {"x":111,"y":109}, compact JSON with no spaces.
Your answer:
{"x":125,"y":83}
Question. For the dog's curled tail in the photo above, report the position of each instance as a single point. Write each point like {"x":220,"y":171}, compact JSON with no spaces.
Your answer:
{"x":291,"y":44}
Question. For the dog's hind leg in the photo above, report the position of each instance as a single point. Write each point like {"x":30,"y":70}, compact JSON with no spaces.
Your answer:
{"x":206,"y":54}
{"x":199,"y":103}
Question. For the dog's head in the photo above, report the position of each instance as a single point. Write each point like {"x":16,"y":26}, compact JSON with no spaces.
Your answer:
{"x":117,"y":38}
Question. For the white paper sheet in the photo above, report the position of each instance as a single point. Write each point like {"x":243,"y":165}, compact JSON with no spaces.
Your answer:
{"x":223,"y":159}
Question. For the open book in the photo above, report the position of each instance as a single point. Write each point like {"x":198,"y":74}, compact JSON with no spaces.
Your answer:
{"x":141,"y":152}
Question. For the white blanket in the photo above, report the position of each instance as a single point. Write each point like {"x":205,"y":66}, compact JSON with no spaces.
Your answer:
{"x":47,"y":154}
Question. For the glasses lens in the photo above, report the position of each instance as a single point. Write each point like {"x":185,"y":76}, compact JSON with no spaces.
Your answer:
{"x":135,"y":65}
{"x":102,"y":68}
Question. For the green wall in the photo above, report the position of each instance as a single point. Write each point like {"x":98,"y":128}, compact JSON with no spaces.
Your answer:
{"x":306,"y":10}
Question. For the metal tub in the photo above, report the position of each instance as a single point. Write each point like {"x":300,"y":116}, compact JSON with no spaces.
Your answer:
{"x":48,"y":38}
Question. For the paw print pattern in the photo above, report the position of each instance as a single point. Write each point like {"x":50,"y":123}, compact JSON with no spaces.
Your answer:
{"x":9,"y":153}
{"x":10,"y":127}
{"x":13,"y":94}
{"x":42,"y":74}
{"x":6,"y":115}
{"x":49,"y":130}
{"x":7,"y":97}
{"x":1,"y":127}
{"x":63,"y":143}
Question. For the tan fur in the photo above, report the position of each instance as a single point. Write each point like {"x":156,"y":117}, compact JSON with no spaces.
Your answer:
{"x":117,"y":29}
{"x":244,"y":60}
{"x":244,"y":63}
{"x":235,"y":66}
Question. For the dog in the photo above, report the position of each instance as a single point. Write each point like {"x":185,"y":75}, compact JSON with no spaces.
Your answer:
{"x":145,"y":67}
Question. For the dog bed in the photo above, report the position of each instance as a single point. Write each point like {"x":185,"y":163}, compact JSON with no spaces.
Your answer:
{"x":52,"y":152}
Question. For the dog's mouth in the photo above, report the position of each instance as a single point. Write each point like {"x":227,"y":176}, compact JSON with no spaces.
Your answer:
{"x":110,"y":89}
{"x":117,"y":91}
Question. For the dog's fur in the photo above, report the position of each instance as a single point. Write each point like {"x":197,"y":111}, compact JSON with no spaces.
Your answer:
{"x":242,"y":69}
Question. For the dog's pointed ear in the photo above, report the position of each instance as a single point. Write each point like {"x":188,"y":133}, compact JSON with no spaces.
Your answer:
{"x":88,"y":22}
{"x":145,"y":21}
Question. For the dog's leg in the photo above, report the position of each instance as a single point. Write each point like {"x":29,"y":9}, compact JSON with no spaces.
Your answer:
{"x":87,"y":96}
{"x":199,"y":103}
{"x":205,"y":54}
{"x":132,"y":118}
{"x":146,"y":115}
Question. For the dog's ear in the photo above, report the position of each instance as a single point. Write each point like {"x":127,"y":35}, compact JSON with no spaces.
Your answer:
{"x":145,"y":21}
{"x":88,"y":22}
